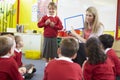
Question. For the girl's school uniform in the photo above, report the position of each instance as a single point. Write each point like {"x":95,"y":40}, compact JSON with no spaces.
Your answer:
{"x":101,"y":71}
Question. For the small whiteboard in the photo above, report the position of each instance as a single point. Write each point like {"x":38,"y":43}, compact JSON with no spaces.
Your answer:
{"x":76,"y":21}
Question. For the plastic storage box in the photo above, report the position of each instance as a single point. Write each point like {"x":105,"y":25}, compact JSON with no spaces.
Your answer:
{"x":32,"y":54}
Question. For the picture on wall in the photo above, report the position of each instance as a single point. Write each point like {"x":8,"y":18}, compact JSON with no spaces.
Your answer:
{"x":42,"y":8}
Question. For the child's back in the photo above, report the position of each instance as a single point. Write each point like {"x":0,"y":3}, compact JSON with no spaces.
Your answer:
{"x":100,"y":71}
{"x":64,"y":68}
{"x":8,"y":66}
{"x":107,"y":41}
{"x":98,"y":66}
{"x":9,"y":69}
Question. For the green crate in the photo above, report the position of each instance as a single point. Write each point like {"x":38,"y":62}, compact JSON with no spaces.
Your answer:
{"x":58,"y":41}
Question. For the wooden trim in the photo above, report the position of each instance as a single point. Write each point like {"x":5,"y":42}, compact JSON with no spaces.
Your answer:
{"x":117,"y":19}
{"x":18,"y":11}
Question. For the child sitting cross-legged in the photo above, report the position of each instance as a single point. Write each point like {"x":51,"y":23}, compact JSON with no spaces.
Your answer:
{"x":64,"y":68}
{"x":8,"y":66}
{"x":107,"y":41}
{"x":29,"y":69}
{"x":97,"y":66}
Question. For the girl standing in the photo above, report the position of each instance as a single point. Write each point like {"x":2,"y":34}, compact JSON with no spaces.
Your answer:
{"x":51,"y":24}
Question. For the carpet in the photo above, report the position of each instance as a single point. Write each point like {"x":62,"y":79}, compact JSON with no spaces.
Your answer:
{"x":39,"y":65}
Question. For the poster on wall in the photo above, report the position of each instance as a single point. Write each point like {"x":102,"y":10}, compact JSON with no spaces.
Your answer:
{"x":42,"y":8}
{"x":34,"y":12}
{"x":118,"y":21}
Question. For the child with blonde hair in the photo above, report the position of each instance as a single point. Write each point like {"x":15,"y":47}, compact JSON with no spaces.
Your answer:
{"x":51,"y":24}
{"x":8,"y":66}
{"x":29,"y":69}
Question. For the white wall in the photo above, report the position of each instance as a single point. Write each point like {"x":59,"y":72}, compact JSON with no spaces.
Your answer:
{"x":107,"y":10}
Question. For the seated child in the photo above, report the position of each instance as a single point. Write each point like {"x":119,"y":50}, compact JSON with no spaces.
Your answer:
{"x":107,"y":41}
{"x":29,"y":68}
{"x":98,"y":66}
{"x":81,"y":55}
{"x":8,"y":66}
{"x":64,"y":68}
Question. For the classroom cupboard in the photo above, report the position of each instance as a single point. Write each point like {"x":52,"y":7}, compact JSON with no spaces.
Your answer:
{"x":31,"y":41}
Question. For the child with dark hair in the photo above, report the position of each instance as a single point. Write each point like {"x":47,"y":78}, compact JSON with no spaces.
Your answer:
{"x":8,"y":66}
{"x":98,"y":66}
{"x":107,"y":41}
{"x":64,"y":68}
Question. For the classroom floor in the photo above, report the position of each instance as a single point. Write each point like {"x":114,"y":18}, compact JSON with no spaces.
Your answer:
{"x":39,"y":65}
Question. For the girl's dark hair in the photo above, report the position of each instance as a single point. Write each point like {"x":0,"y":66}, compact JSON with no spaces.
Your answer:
{"x":69,"y":47}
{"x":107,"y":40}
{"x":95,"y":51}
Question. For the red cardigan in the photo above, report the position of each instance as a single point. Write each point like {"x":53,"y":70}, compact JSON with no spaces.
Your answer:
{"x":49,"y":31}
{"x":18,"y":58}
{"x":62,"y":70}
{"x":9,"y":69}
{"x":112,"y":55}
{"x":99,"y":72}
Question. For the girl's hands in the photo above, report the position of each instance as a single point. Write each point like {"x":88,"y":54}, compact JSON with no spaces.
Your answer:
{"x":47,"y":22}
{"x":52,"y":24}
{"x":73,"y":33}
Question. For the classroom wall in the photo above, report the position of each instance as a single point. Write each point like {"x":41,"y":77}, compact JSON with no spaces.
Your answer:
{"x":25,"y":19}
{"x":15,"y":15}
{"x":26,"y":15}
{"x":107,"y":10}
{"x":8,"y":15}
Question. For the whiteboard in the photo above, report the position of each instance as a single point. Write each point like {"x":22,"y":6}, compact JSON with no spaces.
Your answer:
{"x":107,"y":10}
{"x":77,"y":21}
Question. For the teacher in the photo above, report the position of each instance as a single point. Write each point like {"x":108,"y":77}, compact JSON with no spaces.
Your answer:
{"x":92,"y":28}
